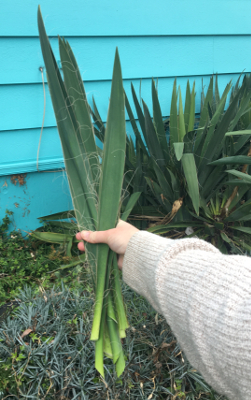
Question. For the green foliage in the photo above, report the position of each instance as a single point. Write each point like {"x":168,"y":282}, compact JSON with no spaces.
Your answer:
{"x":189,"y":172}
{"x":45,"y":352}
{"x":29,"y":261}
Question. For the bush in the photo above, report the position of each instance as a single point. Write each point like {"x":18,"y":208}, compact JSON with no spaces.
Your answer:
{"x":29,"y":261}
{"x":46,"y":353}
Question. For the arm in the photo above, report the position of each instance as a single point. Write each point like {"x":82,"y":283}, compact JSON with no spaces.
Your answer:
{"x":205,"y":297}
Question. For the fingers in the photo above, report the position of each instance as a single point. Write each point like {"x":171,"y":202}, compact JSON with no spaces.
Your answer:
{"x":81,"y":246}
{"x":94,"y":237}
{"x":120,"y":261}
{"x":78,"y":236}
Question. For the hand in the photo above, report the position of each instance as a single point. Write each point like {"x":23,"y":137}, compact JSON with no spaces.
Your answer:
{"x":117,"y":238}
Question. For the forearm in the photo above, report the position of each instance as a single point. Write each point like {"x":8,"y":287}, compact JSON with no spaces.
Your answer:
{"x":205,"y":300}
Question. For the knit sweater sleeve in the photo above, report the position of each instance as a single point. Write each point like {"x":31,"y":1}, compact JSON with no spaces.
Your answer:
{"x":205,"y":297}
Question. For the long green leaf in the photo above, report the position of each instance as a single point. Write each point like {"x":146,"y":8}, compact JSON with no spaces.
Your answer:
{"x":242,"y":213}
{"x":158,"y":122}
{"x":134,"y":125}
{"x":192,"y":111}
{"x":208,"y":100}
{"x":111,"y":181}
{"x":232,"y":160}
{"x":182,"y":129}
{"x":242,"y":229}
{"x":178,"y":150}
{"x":187,"y":106}
{"x":190,"y":172}
{"x":174,"y":137}
{"x":152,"y":140}
{"x":239,"y":174}
{"x":85,"y":206}
{"x":239,"y":133}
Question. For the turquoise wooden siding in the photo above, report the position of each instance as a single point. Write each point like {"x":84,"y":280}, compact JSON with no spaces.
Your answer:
{"x":163,"y":39}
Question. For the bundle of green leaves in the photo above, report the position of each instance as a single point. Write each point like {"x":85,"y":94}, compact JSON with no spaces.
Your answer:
{"x":95,"y":189}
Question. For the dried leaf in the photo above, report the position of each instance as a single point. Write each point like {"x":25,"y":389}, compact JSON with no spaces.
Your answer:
{"x":26,"y":332}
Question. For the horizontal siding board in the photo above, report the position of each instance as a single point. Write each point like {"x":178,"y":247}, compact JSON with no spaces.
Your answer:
{"x":20,"y":153}
{"x":128,"y":18}
{"x":25,"y":166}
{"x":22,"y":145}
{"x":141,"y":57}
{"x":25,"y":102}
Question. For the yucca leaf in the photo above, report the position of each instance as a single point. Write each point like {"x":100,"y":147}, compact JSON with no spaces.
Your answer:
{"x":140,"y":114}
{"x":178,"y":150}
{"x":85,"y":206}
{"x":98,"y":121}
{"x":189,"y":142}
{"x":237,"y":182}
{"x":151,"y":137}
{"x":243,"y":107}
{"x":242,"y":243}
{"x":190,"y":172}
{"x":216,"y":91}
{"x":215,"y":146}
{"x":232,"y":160}
{"x":187,"y":105}
{"x":242,"y":213}
{"x":240,"y":175}
{"x":130,"y":205}
{"x":239,"y":133}
{"x":163,"y":183}
{"x":66,"y":226}
{"x":57,"y":216}
{"x":175,"y":184}
{"x":208,"y":99}
{"x":111,"y":181}
{"x":158,"y":122}
{"x":192,"y":111}
{"x":77,"y":96}
{"x":182,"y":129}
{"x":242,"y":229}
{"x":160,"y":229}
{"x":173,"y":126}
{"x":52,"y":237}
{"x":216,"y":117}
{"x":134,"y":125}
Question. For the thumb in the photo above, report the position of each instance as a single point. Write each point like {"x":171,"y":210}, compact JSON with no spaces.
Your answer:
{"x":95,"y":237}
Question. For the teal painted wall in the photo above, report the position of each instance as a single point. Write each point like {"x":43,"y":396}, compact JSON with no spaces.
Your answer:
{"x":163,"y":39}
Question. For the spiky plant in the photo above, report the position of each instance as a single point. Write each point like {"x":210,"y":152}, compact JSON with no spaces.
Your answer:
{"x":188,"y":170}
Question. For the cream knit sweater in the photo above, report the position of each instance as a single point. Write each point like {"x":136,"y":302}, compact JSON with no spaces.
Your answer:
{"x":205,"y":297}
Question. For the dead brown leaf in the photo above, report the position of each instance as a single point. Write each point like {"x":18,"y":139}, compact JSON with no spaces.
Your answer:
{"x":26,"y":332}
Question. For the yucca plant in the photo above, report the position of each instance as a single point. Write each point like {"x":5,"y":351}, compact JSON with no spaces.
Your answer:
{"x":95,"y":189}
{"x":182,"y":168}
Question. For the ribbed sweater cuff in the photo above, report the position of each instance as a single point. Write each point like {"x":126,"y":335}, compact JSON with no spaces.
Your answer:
{"x":140,"y":261}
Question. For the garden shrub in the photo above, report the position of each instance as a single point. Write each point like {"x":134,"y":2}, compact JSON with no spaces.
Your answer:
{"x":26,"y":260}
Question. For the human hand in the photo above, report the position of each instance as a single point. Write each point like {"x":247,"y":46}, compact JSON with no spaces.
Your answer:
{"x":116,"y":238}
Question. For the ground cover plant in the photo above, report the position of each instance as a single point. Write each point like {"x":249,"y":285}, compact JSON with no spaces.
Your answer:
{"x":45,"y":352}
